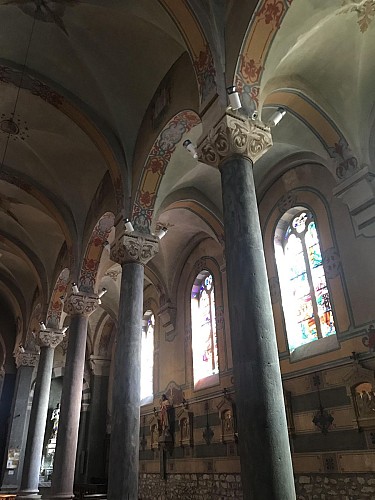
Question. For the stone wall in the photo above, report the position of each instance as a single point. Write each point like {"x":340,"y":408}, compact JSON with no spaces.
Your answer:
{"x":190,"y":487}
{"x":335,"y":487}
{"x":228,"y":486}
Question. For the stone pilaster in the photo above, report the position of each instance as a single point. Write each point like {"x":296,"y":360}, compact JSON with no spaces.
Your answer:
{"x":132,"y":251}
{"x":26,"y":362}
{"x":47,"y":339}
{"x":233,"y":145}
{"x":79,"y":306}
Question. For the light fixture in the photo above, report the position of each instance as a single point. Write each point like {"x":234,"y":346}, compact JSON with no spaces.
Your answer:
{"x":64,"y":330}
{"x":9,"y":124}
{"x":75,"y":288}
{"x":102,"y":292}
{"x":107,"y":246}
{"x":188,"y":145}
{"x":161,"y":232}
{"x":276,"y":117}
{"x":234,"y":98}
{"x":42,"y":325}
{"x":21,"y":348}
{"x":128,"y":226}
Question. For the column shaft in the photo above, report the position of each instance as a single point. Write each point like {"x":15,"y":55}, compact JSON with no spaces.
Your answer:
{"x":18,"y":425}
{"x":124,"y":447}
{"x":67,"y":436}
{"x":37,"y":424}
{"x":97,"y":429}
{"x":263,"y":437}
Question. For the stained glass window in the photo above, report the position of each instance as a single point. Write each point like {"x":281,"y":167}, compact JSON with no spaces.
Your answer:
{"x":204,"y":340}
{"x":147,"y":355}
{"x":305,"y":296}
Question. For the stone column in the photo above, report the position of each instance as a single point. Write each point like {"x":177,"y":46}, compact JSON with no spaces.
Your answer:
{"x":26,"y":362}
{"x":133,"y":251}
{"x":2,"y":375}
{"x":96,"y":437}
{"x":48,"y":339}
{"x":234,"y":145}
{"x":79,"y":306}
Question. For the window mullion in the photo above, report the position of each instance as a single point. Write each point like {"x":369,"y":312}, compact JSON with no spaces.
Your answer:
{"x":312,"y":291}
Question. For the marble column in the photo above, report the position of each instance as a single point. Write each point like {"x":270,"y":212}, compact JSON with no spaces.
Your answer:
{"x":133,"y":251}
{"x":79,"y":306}
{"x":47,"y":339}
{"x":96,"y":436}
{"x":25,"y":362}
{"x":234,"y":145}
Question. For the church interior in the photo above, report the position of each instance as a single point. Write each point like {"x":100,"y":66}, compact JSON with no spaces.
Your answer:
{"x":186,"y":236}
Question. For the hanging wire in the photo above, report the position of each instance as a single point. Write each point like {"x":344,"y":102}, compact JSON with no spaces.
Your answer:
{"x":12,"y":115}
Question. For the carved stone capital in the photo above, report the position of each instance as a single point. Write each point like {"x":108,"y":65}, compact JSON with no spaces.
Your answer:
{"x":50,"y":338}
{"x":26,"y":358}
{"x":235,"y":135}
{"x":81,"y":303}
{"x":134,"y":247}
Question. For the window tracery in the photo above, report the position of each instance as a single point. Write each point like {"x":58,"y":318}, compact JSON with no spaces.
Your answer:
{"x":305,"y":295}
{"x":147,"y":355}
{"x":204,"y":338}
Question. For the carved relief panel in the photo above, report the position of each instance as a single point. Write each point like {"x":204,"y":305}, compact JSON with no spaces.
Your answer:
{"x":360,"y":386}
{"x":185,"y":427}
{"x":227,"y":413}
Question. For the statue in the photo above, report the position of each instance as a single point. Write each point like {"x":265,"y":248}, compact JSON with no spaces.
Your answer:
{"x":164,"y":407}
{"x":55,"y":419}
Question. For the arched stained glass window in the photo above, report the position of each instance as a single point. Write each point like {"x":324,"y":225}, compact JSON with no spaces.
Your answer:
{"x":147,"y":355}
{"x":305,"y":296}
{"x":204,"y":340}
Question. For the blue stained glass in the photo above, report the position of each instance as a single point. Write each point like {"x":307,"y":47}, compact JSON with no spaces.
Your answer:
{"x":311,"y":237}
{"x":307,"y":291}
{"x":308,"y":331}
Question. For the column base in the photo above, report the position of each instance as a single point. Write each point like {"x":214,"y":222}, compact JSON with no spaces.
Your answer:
{"x":28,"y":496}
{"x":61,"y":496}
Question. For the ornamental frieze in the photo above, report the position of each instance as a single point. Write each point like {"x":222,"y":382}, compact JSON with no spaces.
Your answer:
{"x":235,"y":135}
{"x":81,"y":303}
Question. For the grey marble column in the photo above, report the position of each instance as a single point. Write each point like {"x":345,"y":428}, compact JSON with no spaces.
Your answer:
{"x":96,"y":436}
{"x":26,"y":362}
{"x":48,"y":339}
{"x":132,"y":251}
{"x":266,"y":467}
{"x":79,"y":306}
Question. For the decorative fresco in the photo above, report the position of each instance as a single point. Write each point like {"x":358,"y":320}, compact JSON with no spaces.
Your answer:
{"x":47,"y":11}
{"x":258,"y":40}
{"x":94,"y":251}
{"x":323,"y":127}
{"x":262,"y":30}
{"x":156,"y":164}
{"x":56,"y":303}
{"x":197,"y":44}
{"x":365,"y":10}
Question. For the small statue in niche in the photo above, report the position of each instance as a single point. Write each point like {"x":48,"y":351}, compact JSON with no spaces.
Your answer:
{"x":228,"y":421}
{"x":55,"y":419}
{"x":365,"y":403}
{"x":165,"y":406}
{"x":154,"y":436}
{"x":185,"y":429}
